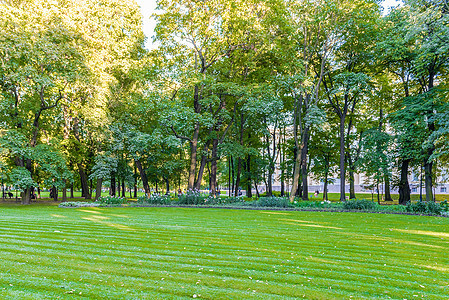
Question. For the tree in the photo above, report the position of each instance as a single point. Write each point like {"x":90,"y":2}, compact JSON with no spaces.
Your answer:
{"x":41,"y":60}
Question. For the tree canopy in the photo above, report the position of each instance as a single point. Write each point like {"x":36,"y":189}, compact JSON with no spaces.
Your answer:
{"x":237,"y":94}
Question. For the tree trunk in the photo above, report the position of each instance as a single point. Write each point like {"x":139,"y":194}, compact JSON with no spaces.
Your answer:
{"x":64,"y":192}
{"x":270,"y":180}
{"x":232,"y":173}
{"x":304,"y":151}
{"x":378,"y":194}
{"x":123,"y":188}
{"x":342,"y":159}
{"x":404,"y":187}
{"x":112,"y":189}
{"x":325,"y":197}
{"x":351,"y":184}
{"x":135,"y":180}
{"x":213,"y":167}
{"x":203,"y":162}
{"x":237,"y":179}
{"x":26,"y":196}
{"x":387,"y":189}
{"x":428,"y":180}
{"x":296,"y":172}
{"x":239,"y":163}
{"x":55,"y":193}
{"x":229,"y":178}
{"x":193,"y":157}
{"x":143,"y":177}
{"x":98,"y":188}
{"x":84,"y":182}
{"x":167,"y":186}
{"x":249,"y":192}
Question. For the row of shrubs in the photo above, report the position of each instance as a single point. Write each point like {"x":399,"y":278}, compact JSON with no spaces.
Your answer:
{"x":198,"y":199}
{"x":195,"y":198}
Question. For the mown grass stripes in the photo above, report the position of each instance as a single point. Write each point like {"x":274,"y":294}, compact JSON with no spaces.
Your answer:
{"x":165,"y":253}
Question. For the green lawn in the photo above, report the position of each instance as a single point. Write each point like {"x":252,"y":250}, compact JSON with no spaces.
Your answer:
{"x":48,"y":252}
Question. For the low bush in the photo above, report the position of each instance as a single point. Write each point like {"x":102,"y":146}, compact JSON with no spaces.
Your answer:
{"x":425,"y":207}
{"x":273,"y":194}
{"x":111,"y":200}
{"x":78,"y":204}
{"x":272,"y":202}
{"x":316,"y":204}
{"x":359,"y":205}
{"x":154,"y":200}
{"x":444,"y":206}
{"x":192,"y":197}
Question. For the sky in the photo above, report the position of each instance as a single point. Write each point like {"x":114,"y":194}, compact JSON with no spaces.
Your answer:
{"x":148,"y":7}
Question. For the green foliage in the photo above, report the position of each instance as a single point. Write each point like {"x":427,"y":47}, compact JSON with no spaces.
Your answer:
{"x":154,"y":199}
{"x":192,"y":197}
{"x":272,"y":202}
{"x":444,"y":206}
{"x":360,"y":205}
{"x":424,"y":207}
{"x":316,"y":204}
{"x":78,"y":204}
{"x":273,"y":193}
{"x":21,"y":178}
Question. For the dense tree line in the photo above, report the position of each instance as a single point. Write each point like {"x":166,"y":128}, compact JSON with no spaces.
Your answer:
{"x":233,"y":92}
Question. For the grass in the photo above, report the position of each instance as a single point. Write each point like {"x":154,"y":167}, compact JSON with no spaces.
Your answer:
{"x":174,"y":253}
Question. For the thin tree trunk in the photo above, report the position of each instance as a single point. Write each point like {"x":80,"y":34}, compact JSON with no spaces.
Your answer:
{"x":257,"y":190}
{"x":351,"y":184}
{"x":143,"y":177}
{"x":404,"y":187}
{"x":378,"y":194}
{"x":123,"y":188}
{"x":325,"y":197}
{"x":229,"y":178}
{"x":112,"y":189}
{"x":135,"y":180}
{"x":428,"y":180}
{"x":71,"y":191}
{"x":237,"y":179}
{"x":239,"y":163}
{"x":304,"y":151}
{"x":249,"y":192}
{"x":296,"y":172}
{"x":213,"y":167}
{"x":203,"y":162}
{"x":342,"y":159}
{"x":193,"y":157}
{"x":232,"y":173}
{"x":387,"y":189}
{"x":420,"y":183}
{"x":167,"y":186}
{"x":64,"y":192}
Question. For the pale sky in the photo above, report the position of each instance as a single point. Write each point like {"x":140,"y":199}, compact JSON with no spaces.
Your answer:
{"x":148,"y":7}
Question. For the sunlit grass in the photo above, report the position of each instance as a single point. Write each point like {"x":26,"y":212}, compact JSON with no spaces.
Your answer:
{"x":164,"y":253}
